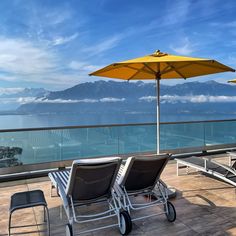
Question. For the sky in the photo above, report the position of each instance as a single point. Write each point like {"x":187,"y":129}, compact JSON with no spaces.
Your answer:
{"x":54,"y":44}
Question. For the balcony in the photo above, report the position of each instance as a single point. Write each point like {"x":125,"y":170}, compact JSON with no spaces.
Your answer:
{"x":52,"y":147}
{"x":204,"y":205}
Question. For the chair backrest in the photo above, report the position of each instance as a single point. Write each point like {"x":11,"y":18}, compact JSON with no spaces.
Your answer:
{"x":92,"y":179}
{"x":142,"y":173}
{"x":234,"y":165}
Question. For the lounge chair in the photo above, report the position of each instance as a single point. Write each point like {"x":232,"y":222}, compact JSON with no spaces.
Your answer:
{"x":210,"y":167}
{"x":141,"y":176}
{"x":91,"y":181}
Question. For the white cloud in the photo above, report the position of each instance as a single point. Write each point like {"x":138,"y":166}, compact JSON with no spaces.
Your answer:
{"x":20,"y":57}
{"x":8,"y":78}
{"x":8,"y":91}
{"x":148,"y":98}
{"x":24,"y":100}
{"x":25,"y":61}
{"x":22,"y":60}
{"x":43,"y":100}
{"x":83,"y":66}
{"x":222,"y":98}
{"x":63,"y":40}
{"x":198,"y":98}
{"x":105,"y":45}
{"x":112,"y":99}
{"x":9,"y":100}
{"x":60,"y":80}
{"x":184,"y":48}
{"x":58,"y":16}
{"x":192,"y":99}
{"x":177,"y":12}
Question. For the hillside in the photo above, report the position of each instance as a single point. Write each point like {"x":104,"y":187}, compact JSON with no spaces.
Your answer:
{"x":118,"y":97}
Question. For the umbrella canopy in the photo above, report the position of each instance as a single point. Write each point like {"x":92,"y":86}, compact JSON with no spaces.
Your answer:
{"x":161,"y":66}
{"x":232,"y":81}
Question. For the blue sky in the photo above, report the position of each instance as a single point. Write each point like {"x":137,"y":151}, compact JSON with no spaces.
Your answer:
{"x":55,"y":44}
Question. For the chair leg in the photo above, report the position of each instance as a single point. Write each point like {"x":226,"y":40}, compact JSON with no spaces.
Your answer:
{"x":44,"y":214}
{"x":177,"y":168}
{"x":48,"y":219}
{"x":71,"y":222}
{"x":9,"y":225}
{"x":51,"y":190}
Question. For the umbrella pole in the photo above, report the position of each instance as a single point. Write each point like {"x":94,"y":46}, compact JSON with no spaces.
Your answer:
{"x":158,"y":114}
{"x":171,"y":192}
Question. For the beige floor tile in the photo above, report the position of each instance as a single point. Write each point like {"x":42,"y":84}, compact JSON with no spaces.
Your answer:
{"x":204,"y":206}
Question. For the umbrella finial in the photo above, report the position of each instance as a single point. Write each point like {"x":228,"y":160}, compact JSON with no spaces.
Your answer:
{"x":158,"y":53}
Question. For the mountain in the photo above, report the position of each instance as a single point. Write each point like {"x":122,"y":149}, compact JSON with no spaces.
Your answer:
{"x":113,"y":97}
{"x":101,"y":89}
{"x":10,"y":98}
{"x":23,"y":92}
{"x":211,"y":87}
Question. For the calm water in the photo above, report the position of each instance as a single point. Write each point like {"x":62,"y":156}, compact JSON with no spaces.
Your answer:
{"x":54,"y":120}
{"x":64,"y":144}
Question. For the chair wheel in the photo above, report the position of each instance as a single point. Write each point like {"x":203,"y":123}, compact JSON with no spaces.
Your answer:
{"x":69,"y":231}
{"x":170,"y":213}
{"x":125,"y":223}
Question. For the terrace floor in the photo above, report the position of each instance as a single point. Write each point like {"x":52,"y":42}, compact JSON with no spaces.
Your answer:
{"x":204,"y":206}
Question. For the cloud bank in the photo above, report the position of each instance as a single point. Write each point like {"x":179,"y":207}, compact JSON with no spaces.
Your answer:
{"x":192,"y":99}
{"x":9,"y":91}
{"x":171,"y":99}
{"x":25,"y":100}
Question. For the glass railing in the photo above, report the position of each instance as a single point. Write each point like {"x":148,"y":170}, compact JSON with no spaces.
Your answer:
{"x":23,"y":147}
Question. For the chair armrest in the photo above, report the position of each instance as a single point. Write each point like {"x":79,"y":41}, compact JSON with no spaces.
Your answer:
{"x":232,"y":153}
{"x":228,"y":168}
{"x":62,"y":192}
{"x":162,"y":183}
{"x":207,"y":158}
{"x":118,"y":190}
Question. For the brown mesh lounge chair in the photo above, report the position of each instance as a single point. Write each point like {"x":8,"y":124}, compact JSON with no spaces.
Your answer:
{"x":141,"y":176}
{"x":91,"y":181}
{"x":210,"y":167}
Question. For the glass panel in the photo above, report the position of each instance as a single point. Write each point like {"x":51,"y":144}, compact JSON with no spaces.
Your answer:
{"x":182,"y":135}
{"x":42,"y":146}
{"x":220,"y":133}
{"x":11,"y":147}
{"x":138,"y":138}
{"x":101,"y":141}
{"x":39,"y":146}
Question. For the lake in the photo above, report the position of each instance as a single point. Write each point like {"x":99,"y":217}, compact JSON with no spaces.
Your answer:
{"x":69,"y":119}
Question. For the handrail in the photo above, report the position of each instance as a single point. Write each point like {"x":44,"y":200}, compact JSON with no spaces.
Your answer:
{"x":57,"y":148}
{"x":113,"y":125}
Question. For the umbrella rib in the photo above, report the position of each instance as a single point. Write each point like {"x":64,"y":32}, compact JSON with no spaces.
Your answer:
{"x":149,"y":68}
{"x":165,"y":69}
{"x":136,"y":73}
{"x":140,"y":69}
{"x":171,"y":69}
{"x":176,"y":70}
{"x":158,"y":68}
{"x":107,"y":68}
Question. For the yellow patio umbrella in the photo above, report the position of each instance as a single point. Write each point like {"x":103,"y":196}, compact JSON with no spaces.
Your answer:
{"x":232,"y":81}
{"x":158,"y":66}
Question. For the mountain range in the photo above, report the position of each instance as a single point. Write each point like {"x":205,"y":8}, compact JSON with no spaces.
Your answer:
{"x":101,"y":89}
{"x":12,"y":98}
{"x":123,"y":97}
